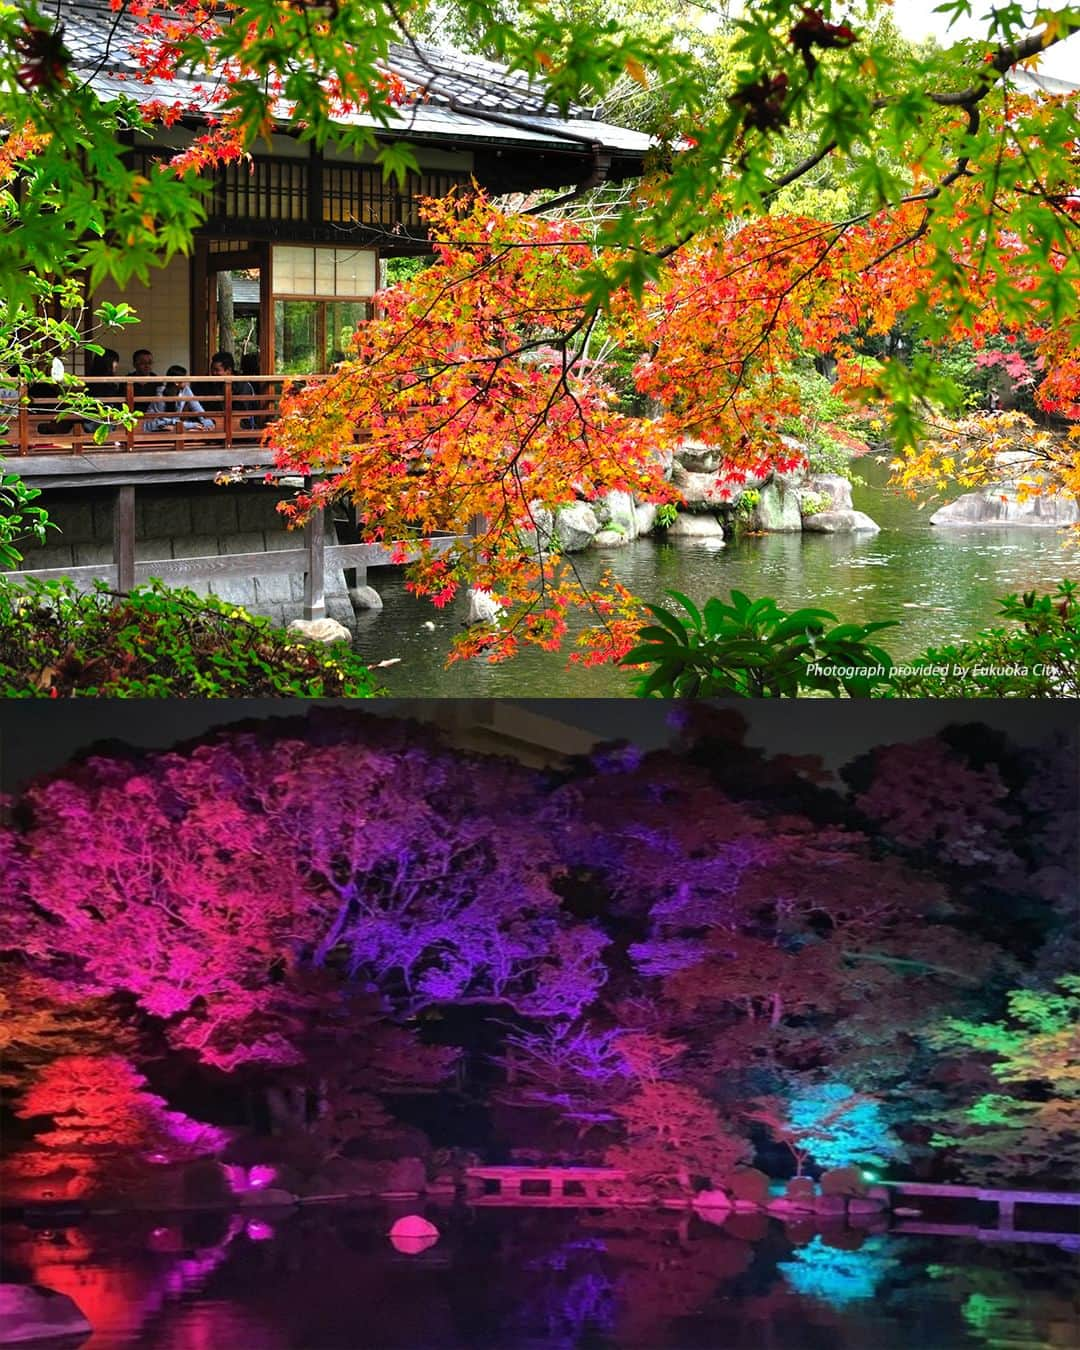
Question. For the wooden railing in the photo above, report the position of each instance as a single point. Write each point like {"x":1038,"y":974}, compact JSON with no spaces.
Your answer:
{"x":35,"y":421}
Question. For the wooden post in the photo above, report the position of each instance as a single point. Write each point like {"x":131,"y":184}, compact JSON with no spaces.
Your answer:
{"x":124,"y":538}
{"x":315,"y":571}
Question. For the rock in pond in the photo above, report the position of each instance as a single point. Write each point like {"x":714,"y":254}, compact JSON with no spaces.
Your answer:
{"x":320,"y":630}
{"x":777,"y":510}
{"x":365,"y":597}
{"x":999,"y":506}
{"x":611,"y":539}
{"x":748,"y":1186}
{"x":30,"y":1312}
{"x":840,"y":522}
{"x":645,"y":517}
{"x":616,"y":512}
{"x":842,"y":1181}
{"x":483,"y":608}
{"x":689,"y":526}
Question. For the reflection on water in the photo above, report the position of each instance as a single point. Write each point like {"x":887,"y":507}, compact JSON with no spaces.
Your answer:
{"x":330,"y":1279}
{"x":942,"y":583}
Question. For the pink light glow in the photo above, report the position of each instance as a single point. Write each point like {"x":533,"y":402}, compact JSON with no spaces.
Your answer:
{"x":242,"y":1179}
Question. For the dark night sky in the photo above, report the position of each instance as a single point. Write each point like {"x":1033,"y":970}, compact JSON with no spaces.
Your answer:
{"x":37,"y":737}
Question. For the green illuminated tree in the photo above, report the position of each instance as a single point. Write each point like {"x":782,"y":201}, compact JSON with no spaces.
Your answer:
{"x":1030,"y":1126}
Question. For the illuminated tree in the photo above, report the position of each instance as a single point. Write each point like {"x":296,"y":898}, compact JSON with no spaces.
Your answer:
{"x":1031,"y":1125}
{"x":100,"y":1105}
{"x":830,"y":1124}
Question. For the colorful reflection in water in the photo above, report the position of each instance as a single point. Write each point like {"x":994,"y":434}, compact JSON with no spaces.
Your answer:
{"x":332,"y":1279}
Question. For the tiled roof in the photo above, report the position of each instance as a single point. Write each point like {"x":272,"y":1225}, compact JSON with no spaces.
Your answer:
{"x":465,"y":97}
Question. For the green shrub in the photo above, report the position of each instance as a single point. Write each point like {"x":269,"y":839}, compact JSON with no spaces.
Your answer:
{"x":667,"y":513}
{"x":158,"y":643}
{"x":18,"y":519}
{"x":1039,"y":657}
{"x":813,"y":503}
{"x":754,"y":649}
{"x":748,"y":501}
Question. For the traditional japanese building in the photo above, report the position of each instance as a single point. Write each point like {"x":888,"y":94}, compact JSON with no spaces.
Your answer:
{"x":286,"y":264}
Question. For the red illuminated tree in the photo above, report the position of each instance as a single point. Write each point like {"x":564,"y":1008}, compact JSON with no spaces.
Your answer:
{"x":99,"y":1105}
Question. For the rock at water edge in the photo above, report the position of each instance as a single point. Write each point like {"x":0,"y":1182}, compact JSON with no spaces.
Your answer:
{"x":777,"y":510}
{"x":611,"y":539}
{"x":701,"y":491}
{"x":483,"y":608}
{"x":999,"y":506}
{"x":30,"y":1312}
{"x":365,"y":597}
{"x":617,"y":513}
{"x":688,"y":526}
{"x":840,"y":522}
{"x":320,"y":630}
{"x":645,"y":516}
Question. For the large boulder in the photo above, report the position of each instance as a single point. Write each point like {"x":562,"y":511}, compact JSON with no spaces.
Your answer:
{"x":800,"y":1191}
{"x":842,"y":1181}
{"x":483,"y":608}
{"x":697,"y":457}
{"x":830,"y":1206}
{"x":748,"y":1186}
{"x":365,"y":597}
{"x":777,"y":510}
{"x":840,"y":522}
{"x":645,"y":517}
{"x":608,"y":538}
{"x":701,"y":491}
{"x":689,"y":526}
{"x":576,"y":526}
{"x":615,"y":511}
{"x":30,"y":1312}
{"x":999,"y":505}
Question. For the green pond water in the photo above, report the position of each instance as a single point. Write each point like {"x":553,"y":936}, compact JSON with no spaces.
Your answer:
{"x":942,"y":584}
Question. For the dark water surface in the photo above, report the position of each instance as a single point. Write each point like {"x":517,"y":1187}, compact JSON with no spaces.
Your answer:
{"x":542,"y":1279}
{"x":941,"y":583}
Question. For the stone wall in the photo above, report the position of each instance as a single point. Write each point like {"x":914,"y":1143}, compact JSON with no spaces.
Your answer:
{"x":191,"y":521}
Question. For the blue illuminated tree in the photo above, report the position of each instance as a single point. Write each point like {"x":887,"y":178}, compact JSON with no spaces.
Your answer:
{"x":830,"y":1124}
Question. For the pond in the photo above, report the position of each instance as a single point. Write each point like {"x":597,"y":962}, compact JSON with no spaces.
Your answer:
{"x":328,"y":1278}
{"x":942,"y":584}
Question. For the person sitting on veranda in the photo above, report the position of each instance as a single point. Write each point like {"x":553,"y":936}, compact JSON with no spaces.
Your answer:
{"x":105,"y":366}
{"x":223,"y":363}
{"x":176,"y":406}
